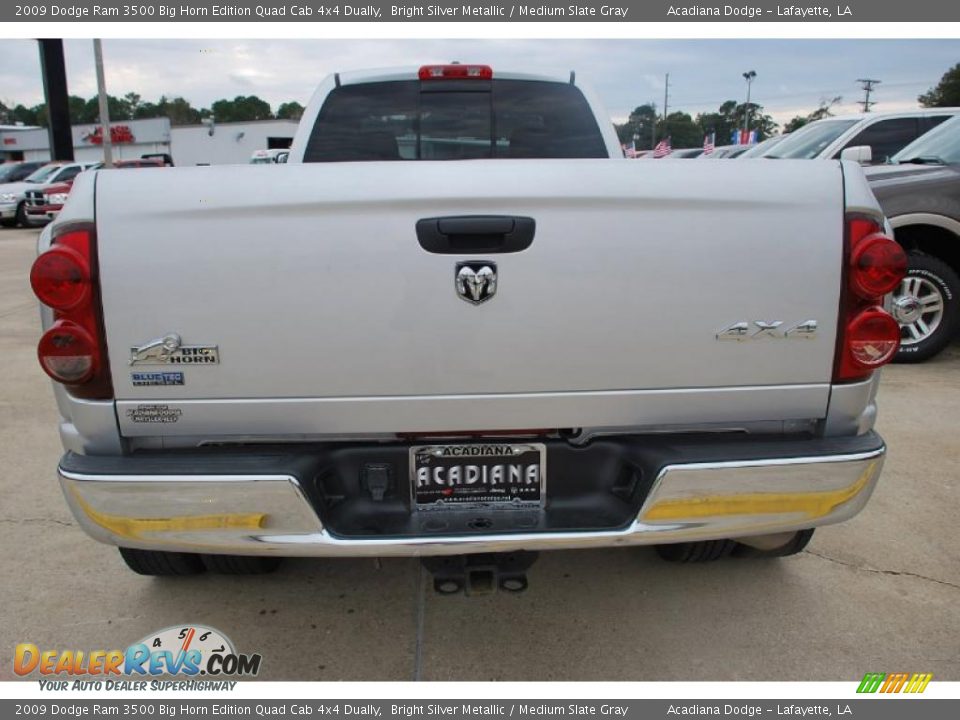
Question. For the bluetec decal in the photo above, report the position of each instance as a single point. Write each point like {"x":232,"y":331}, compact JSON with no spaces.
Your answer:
{"x":140,"y":379}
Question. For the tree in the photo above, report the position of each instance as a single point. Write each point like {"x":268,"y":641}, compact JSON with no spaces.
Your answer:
{"x":639,"y":127}
{"x":241,"y":108}
{"x":681,"y":129}
{"x":179,"y":110}
{"x":722,"y":123}
{"x":146,"y":109}
{"x":290,"y":111}
{"x":42,"y":115}
{"x":80,"y":111}
{"x":27,"y":116}
{"x":117,"y":108}
{"x":824,"y":110}
{"x":133,"y":101}
{"x":730,"y":117}
{"x":947,"y":91}
{"x":795,"y":123}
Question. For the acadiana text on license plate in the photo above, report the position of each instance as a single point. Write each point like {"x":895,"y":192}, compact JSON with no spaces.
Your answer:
{"x":456,"y":475}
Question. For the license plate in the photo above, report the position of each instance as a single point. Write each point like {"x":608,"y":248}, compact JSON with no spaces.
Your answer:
{"x":454,"y":476}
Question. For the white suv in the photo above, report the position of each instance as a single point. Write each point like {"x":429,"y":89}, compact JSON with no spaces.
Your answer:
{"x":884,"y":133}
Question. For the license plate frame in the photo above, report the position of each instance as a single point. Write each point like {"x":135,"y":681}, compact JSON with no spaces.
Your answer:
{"x":511,"y":493}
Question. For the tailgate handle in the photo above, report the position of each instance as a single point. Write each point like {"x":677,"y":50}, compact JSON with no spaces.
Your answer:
{"x":475,"y":233}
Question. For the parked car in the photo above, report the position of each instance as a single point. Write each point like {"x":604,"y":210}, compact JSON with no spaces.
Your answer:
{"x":884,"y":134}
{"x":725,"y":152}
{"x":13,"y":206}
{"x":165,"y":159}
{"x":685,"y":153}
{"x":143,"y":162}
{"x":465,"y":357}
{"x":17,"y":171}
{"x":44,"y":205}
{"x":919,"y":192}
{"x":763,"y":147}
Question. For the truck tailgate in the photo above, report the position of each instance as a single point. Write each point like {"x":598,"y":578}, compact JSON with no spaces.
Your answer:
{"x":329,"y":317}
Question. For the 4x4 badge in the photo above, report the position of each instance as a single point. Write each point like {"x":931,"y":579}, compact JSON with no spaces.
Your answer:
{"x":476,"y":281}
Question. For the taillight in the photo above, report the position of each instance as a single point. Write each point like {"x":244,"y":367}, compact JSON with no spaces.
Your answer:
{"x":873,"y":337}
{"x":64,"y":278}
{"x":60,"y":278}
{"x":868,"y":336}
{"x":68,"y":353}
{"x":877,"y":265}
{"x":455,"y":72}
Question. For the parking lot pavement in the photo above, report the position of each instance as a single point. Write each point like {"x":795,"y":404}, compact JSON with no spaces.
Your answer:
{"x":879,"y":593}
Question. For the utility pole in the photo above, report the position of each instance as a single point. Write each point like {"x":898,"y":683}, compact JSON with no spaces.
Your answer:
{"x":867,"y":86}
{"x":653,"y":129}
{"x":666,"y":98}
{"x":748,"y":76}
{"x":666,"y":95}
{"x":104,"y":106}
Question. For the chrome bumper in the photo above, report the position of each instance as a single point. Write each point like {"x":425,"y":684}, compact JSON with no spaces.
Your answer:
{"x":271,"y":515}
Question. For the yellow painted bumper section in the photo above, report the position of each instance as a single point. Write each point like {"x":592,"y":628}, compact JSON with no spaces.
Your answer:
{"x":138,"y":528}
{"x":808,"y":504}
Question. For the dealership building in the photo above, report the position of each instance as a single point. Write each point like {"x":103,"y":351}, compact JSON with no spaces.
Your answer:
{"x":211,"y":143}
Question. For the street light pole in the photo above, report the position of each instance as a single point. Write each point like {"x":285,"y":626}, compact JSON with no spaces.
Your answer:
{"x":104,"y":106}
{"x":748,"y":76}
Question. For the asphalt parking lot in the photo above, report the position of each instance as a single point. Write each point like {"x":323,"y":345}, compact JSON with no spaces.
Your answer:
{"x":880,"y":593}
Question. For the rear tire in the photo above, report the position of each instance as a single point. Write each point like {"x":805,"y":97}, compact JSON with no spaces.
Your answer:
{"x":241,"y":564}
{"x":695,"y":552}
{"x":793,"y":546}
{"x":161,"y":564}
{"x":925,"y":332}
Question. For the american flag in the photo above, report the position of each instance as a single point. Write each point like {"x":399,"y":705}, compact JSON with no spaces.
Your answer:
{"x":630,"y":150}
{"x":709,"y":143}
{"x":662,"y":149}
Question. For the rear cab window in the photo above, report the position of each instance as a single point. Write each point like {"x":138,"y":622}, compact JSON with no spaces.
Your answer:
{"x":886,"y":137}
{"x":454,"y":120}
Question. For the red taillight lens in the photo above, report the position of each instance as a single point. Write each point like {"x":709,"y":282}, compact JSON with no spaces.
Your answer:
{"x":455,"y":72}
{"x":873,"y":337}
{"x":67,"y":353}
{"x":60,"y":278}
{"x":868,"y":336}
{"x":877,"y":265}
{"x":73,"y":351}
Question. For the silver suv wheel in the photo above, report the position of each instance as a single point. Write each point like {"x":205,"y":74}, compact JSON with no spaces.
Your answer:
{"x":918,"y":307}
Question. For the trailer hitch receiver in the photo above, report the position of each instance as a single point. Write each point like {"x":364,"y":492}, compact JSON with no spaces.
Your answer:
{"x":480,"y":574}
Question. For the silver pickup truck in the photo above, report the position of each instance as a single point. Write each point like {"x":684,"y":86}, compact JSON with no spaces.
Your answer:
{"x":458,"y":322}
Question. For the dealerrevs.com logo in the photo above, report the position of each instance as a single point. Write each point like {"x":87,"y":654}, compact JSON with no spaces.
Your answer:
{"x":895,"y":682}
{"x":189,"y":651}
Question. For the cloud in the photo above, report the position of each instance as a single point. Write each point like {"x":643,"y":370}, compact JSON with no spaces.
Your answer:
{"x":793,"y":76}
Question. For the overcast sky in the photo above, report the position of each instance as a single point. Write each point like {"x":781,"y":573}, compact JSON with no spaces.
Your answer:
{"x":793,"y":76}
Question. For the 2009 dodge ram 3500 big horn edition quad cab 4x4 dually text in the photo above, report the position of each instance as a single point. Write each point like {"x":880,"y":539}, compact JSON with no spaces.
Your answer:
{"x":459,"y":323}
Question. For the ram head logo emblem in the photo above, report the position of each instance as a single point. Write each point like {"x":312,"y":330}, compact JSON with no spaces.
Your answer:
{"x":476,"y":282}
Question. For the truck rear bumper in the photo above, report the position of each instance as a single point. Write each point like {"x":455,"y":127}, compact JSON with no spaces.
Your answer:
{"x":264,"y":504}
